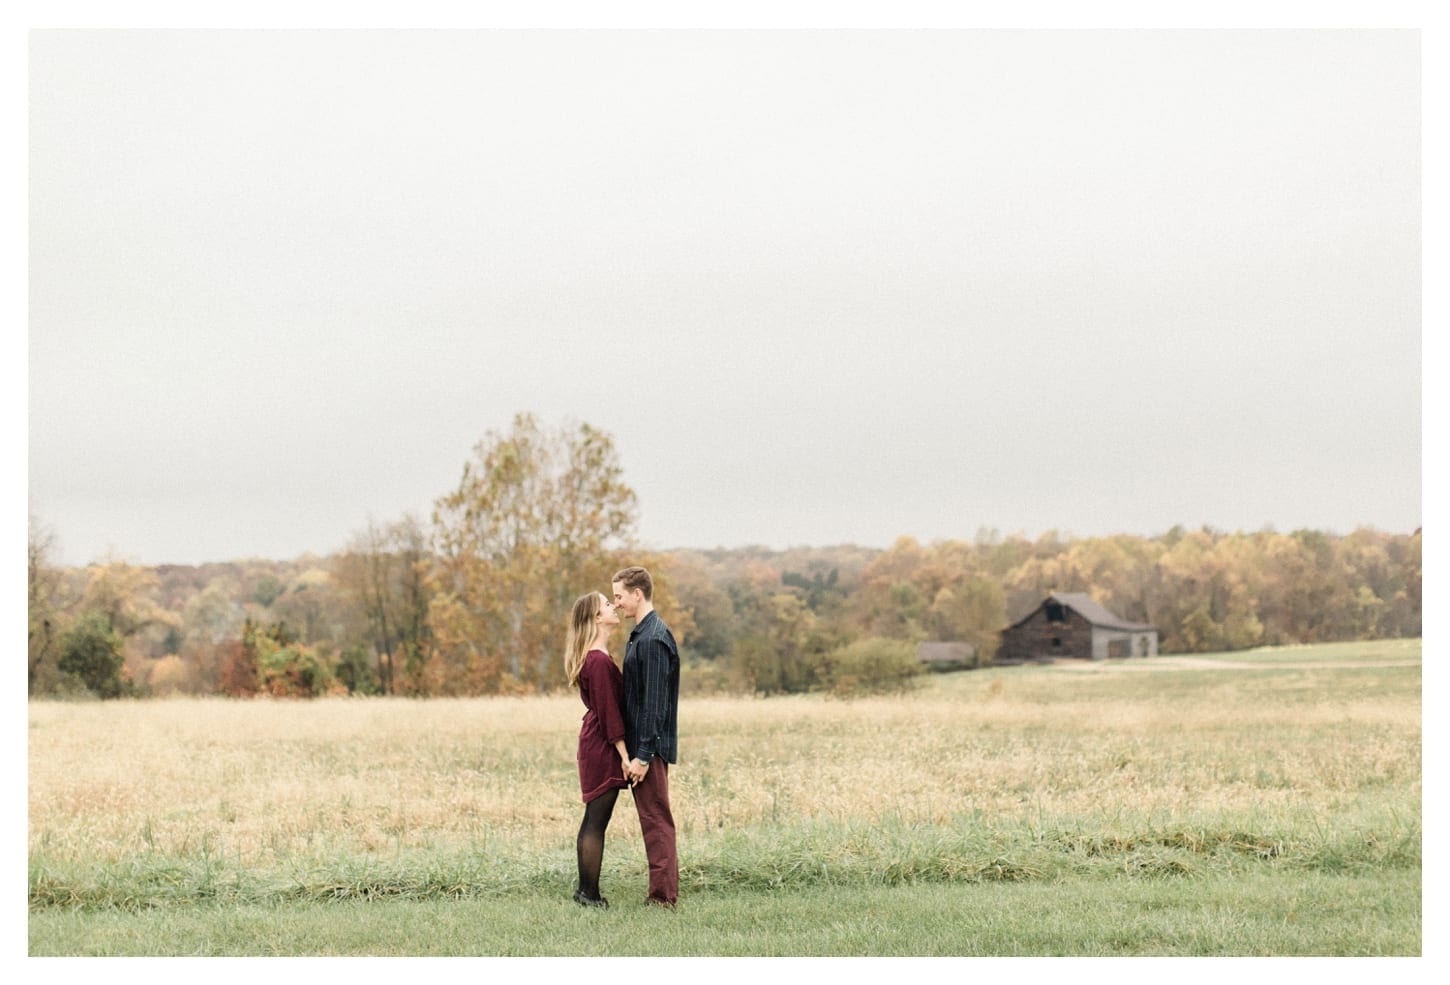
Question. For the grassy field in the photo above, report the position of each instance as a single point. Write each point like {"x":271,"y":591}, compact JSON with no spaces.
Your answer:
{"x":1260,"y":803}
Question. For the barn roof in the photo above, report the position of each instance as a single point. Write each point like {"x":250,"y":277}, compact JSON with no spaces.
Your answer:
{"x":1083,"y":604}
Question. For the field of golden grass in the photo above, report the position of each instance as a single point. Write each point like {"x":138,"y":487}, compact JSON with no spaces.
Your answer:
{"x":1284,"y":738}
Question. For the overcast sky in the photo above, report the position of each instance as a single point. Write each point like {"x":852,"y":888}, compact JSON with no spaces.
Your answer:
{"x":820,"y":287}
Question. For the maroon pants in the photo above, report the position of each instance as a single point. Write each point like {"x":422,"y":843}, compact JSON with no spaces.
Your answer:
{"x":657,"y":825}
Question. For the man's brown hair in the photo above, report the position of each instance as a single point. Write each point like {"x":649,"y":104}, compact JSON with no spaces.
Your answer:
{"x":636,"y":577}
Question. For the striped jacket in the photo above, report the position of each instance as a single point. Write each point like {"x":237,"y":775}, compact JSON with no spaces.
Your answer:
{"x":652,"y":691}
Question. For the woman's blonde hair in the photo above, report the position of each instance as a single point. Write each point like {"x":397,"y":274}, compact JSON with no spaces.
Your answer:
{"x":581,"y":634}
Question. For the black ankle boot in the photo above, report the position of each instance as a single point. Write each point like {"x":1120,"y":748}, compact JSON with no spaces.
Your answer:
{"x":583,"y":900}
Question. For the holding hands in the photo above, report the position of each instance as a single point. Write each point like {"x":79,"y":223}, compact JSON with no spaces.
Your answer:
{"x":635,"y":770}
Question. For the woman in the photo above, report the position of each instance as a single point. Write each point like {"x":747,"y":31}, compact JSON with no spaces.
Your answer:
{"x":603,"y":759}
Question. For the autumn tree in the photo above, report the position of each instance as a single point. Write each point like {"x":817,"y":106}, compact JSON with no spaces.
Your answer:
{"x":382,"y":575}
{"x":45,"y":590}
{"x":539,"y":516}
{"x":896,"y":593}
{"x":239,"y":675}
{"x":209,"y":620}
{"x":124,"y":595}
{"x":944,"y":591}
{"x":1205,"y":595}
{"x":782,"y":650}
{"x":1404,"y":615}
{"x":972,"y":609}
{"x":707,"y":603}
{"x":309,"y":606}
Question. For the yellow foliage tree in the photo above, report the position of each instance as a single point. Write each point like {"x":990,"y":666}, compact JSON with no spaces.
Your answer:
{"x":538,"y":518}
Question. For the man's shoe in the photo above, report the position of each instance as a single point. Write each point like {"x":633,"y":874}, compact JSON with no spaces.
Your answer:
{"x":583,"y":900}
{"x":663,"y":904}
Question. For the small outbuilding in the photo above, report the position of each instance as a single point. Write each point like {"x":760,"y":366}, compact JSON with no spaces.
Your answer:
{"x":947,"y":656}
{"x":1072,"y":625}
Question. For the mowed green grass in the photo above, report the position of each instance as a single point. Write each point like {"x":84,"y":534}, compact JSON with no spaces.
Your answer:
{"x":1263,"y":803}
{"x":1245,"y":914}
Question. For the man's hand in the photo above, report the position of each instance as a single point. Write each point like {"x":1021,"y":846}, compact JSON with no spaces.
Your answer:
{"x":636,"y":770}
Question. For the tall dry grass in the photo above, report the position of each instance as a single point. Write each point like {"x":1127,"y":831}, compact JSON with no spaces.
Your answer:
{"x":262,"y":783}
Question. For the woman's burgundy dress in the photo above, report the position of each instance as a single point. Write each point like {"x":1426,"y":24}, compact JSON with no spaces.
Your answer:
{"x":601,"y":686}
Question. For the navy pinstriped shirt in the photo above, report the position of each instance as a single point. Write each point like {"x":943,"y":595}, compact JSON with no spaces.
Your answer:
{"x":651,"y":691}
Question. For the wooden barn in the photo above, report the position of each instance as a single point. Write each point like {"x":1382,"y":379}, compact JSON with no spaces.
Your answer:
{"x":1071,"y":624}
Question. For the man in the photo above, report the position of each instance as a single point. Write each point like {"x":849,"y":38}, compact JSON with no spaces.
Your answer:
{"x":651,"y":713}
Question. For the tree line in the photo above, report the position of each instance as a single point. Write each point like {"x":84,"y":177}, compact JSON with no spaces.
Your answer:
{"x":472,"y":601}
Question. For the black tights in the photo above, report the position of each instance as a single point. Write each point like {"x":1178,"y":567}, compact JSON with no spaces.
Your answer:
{"x":590,"y":846}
